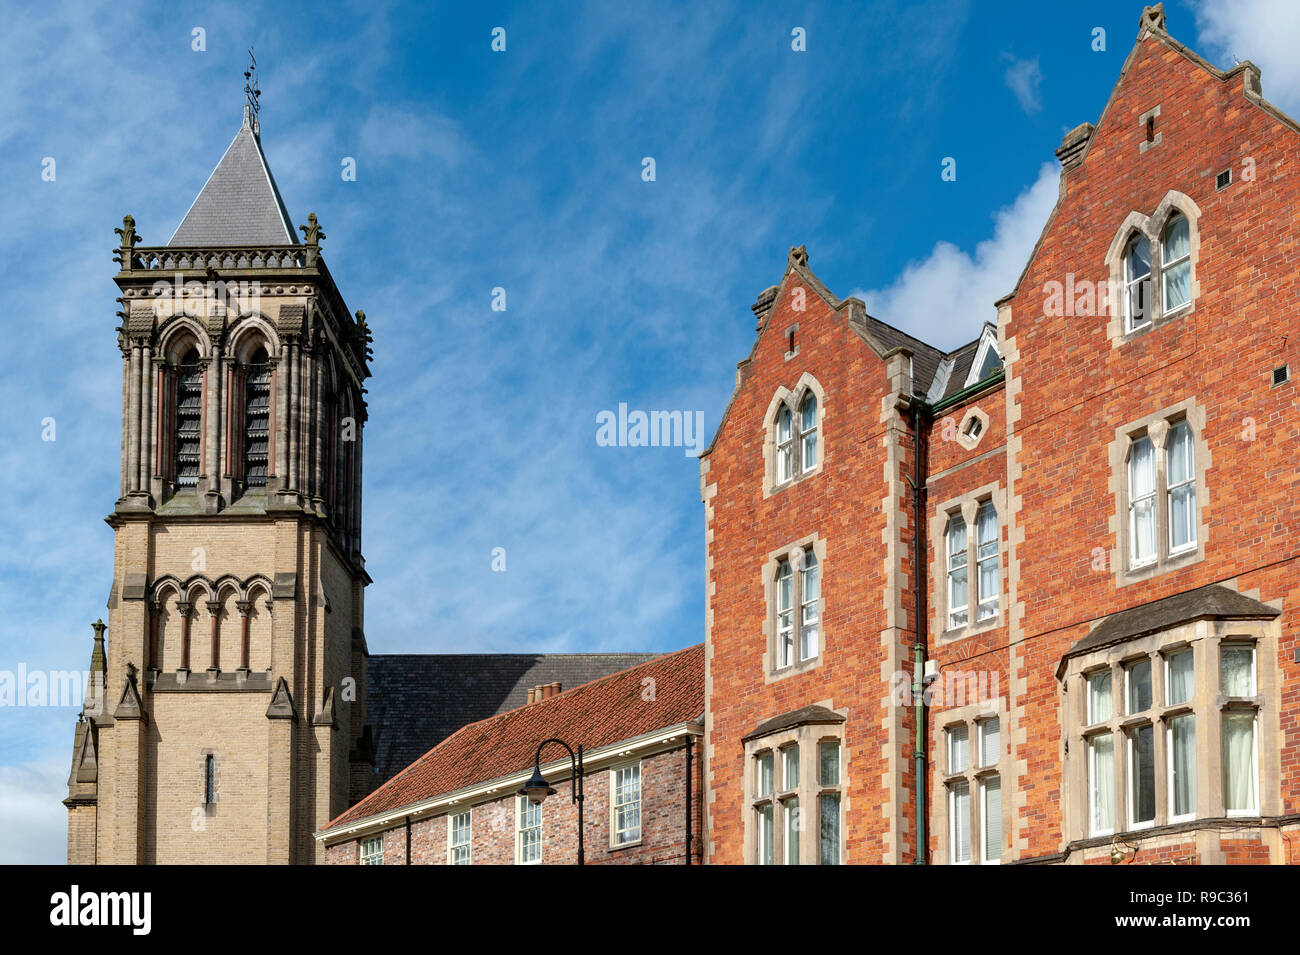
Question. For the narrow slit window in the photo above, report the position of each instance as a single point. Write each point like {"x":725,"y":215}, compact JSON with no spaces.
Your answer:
{"x":1137,"y":282}
{"x":1176,"y":264}
{"x":784,"y":615}
{"x":810,"y":595}
{"x":1181,"y":475}
{"x":257,"y":420}
{"x":1142,"y":502}
{"x":986,"y":523}
{"x":957,"y":571}
{"x":188,"y":419}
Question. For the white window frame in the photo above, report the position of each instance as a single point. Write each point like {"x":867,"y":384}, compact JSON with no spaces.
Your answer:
{"x":984,"y":820}
{"x":1130,"y":281}
{"x":1169,"y":769}
{"x":1189,"y":481}
{"x":809,"y":610}
{"x":1136,"y":561}
{"x":953,"y":815}
{"x":1092,"y":784}
{"x":520,"y":829}
{"x":1130,"y":797}
{"x":983,"y":601}
{"x":615,"y":833}
{"x":372,"y":850}
{"x":1091,"y":715}
{"x":467,"y":845}
{"x":950,"y":734}
{"x":1254,"y":762}
{"x":954,"y":568}
{"x":1167,"y":267}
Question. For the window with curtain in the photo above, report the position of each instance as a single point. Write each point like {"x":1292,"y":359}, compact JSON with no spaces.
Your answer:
{"x":782,"y":794}
{"x":1099,"y":699}
{"x":991,"y":819}
{"x":793,"y":826}
{"x":1101,"y":783}
{"x":810,"y":595}
{"x":797,"y":445}
{"x":797,"y":610}
{"x":1137,"y":282}
{"x":986,"y":523}
{"x":187,"y":419}
{"x":790,"y":767}
{"x":1176,"y":263}
{"x":1142,"y":502}
{"x":784,"y":614}
{"x":372,"y":850}
{"x":528,"y":831}
{"x":959,"y":822}
{"x":1179,"y":667}
{"x":458,"y":827}
{"x":766,"y":840}
{"x":1180,"y":475}
{"x":625,"y":806}
{"x":1137,"y":679}
{"x":1237,"y":669}
{"x":257,"y":419}
{"x":957,"y":569}
{"x":808,"y":432}
{"x":1182,"y":767}
{"x":1240,"y":722}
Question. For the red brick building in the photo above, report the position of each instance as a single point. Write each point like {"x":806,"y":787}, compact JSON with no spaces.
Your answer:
{"x":460,"y":802}
{"x":1077,"y":530}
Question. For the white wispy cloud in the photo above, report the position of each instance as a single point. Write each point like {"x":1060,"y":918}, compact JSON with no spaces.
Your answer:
{"x":1025,"y":79}
{"x":943,"y":298}
{"x":1266,"y":32}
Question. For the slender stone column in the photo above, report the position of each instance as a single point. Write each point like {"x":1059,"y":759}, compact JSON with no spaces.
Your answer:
{"x":214,"y":613}
{"x":243,"y":607}
{"x":185,"y":608}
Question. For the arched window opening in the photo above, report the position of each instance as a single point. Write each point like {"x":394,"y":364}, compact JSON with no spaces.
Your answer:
{"x":188,"y":419}
{"x":1137,"y":282}
{"x":797,"y":439}
{"x":257,"y":419}
{"x":808,"y":430}
{"x":1176,"y":263}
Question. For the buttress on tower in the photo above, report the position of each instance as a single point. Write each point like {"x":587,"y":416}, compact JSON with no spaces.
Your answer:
{"x":224,"y":718}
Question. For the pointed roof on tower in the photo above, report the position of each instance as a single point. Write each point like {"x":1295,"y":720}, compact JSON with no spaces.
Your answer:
{"x":240,"y":203}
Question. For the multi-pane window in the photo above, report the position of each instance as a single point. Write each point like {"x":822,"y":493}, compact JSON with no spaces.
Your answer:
{"x":459,"y":828}
{"x":1101,"y":783}
{"x":797,"y":451}
{"x":625,"y":806}
{"x":528,"y":831}
{"x":188,"y":420}
{"x":1137,"y":282}
{"x":828,"y":802}
{"x":957,"y":571}
{"x":986,"y":523}
{"x":1240,"y":721}
{"x":1161,"y":499}
{"x":372,"y":850}
{"x":792,"y":797}
{"x":798,"y":609}
{"x":973,"y":787}
{"x":1176,"y":264}
{"x":257,"y":420}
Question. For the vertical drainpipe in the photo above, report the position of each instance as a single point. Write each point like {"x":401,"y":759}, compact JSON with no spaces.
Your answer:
{"x":922,"y":612}
{"x":408,"y":840}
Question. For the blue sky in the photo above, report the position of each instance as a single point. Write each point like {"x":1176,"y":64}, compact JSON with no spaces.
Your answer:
{"x":519,"y":170}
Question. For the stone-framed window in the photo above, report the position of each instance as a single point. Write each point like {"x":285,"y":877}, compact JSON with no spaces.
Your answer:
{"x":973,"y":817}
{"x":460,"y":830}
{"x":186,"y":419}
{"x":795,"y":785}
{"x":793,"y":579}
{"x":967,"y":562}
{"x":794,"y":435}
{"x":1173,"y":727}
{"x":974,"y":425}
{"x":528,"y":831}
{"x":1158,"y":472}
{"x":372,"y":850}
{"x":625,"y":805}
{"x":1152,"y":265}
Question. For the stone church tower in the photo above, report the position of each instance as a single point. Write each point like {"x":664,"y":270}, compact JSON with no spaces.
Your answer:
{"x":224,"y":720}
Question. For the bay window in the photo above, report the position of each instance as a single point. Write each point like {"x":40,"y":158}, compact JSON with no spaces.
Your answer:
{"x":794,"y":784}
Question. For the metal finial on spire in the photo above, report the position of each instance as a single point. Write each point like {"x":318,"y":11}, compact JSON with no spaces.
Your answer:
{"x":252,"y":92}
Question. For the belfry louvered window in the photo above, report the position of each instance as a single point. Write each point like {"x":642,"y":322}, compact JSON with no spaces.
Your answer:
{"x":257,"y":420}
{"x":189,"y":419}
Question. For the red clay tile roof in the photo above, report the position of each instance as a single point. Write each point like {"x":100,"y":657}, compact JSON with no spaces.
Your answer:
{"x":596,"y":714}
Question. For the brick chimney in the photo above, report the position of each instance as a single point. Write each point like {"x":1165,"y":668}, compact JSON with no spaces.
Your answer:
{"x":1070,"y":152}
{"x":544,"y":691}
{"x":763,"y":306}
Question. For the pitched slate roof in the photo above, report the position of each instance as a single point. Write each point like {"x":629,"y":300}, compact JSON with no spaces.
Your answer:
{"x":601,"y":713}
{"x":415,"y":701}
{"x":240,"y":203}
{"x":1212,"y":602}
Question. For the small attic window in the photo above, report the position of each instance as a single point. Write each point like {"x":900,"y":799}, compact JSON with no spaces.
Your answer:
{"x":990,"y":364}
{"x":974,"y":428}
{"x":1223,"y":180}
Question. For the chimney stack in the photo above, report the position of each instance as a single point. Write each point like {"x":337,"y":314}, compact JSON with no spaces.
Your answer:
{"x":1070,"y":152}
{"x":763,"y":306}
{"x":544,"y":691}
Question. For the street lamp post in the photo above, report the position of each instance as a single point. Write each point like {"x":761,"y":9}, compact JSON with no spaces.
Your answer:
{"x":537,"y":788}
